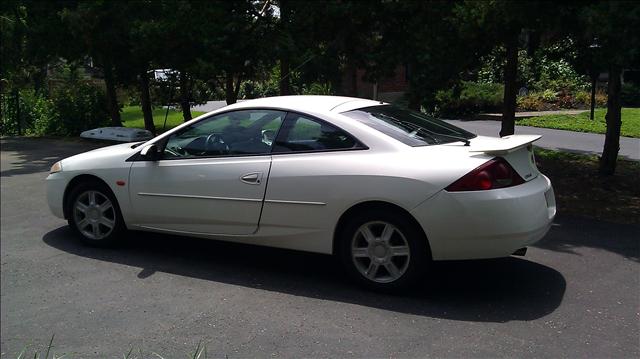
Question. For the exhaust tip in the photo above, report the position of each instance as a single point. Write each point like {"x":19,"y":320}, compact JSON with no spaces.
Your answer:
{"x":520,"y":252}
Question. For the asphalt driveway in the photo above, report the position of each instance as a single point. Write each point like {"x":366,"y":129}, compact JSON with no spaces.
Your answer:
{"x":576,"y":294}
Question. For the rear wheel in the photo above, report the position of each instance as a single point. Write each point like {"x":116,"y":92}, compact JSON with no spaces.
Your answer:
{"x":383,"y":251}
{"x":94,"y":214}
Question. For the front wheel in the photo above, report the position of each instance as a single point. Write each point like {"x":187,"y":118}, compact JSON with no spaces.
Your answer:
{"x":383,"y":251}
{"x":94,"y":214}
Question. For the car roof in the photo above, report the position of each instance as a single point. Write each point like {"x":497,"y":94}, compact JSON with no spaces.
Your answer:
{"x":308,"y":103}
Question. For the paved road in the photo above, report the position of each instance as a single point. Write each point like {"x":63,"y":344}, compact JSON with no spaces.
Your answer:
{"x":576,"y":294}
{"x":588,"y":143}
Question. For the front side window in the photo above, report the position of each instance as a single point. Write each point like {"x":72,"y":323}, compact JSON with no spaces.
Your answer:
{"x":304,"y":134}
{"x":236,"y":133}
{"x":409,"y":127}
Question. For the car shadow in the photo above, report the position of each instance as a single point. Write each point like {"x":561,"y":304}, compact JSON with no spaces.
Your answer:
{"x":570,"y":233}
{"x":497,"y":290}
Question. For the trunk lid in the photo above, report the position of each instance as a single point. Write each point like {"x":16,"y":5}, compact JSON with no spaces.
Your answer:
{"x":516,"y":149}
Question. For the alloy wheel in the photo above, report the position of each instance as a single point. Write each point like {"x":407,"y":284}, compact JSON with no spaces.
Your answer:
{"x":94,"y":215}
{"x":380,"y":251}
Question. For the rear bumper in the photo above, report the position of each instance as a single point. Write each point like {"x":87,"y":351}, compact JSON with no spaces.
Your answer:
{"x":487,"y":224}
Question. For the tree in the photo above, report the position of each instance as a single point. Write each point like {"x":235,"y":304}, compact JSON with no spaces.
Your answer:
{"x":101,"y":29}
{"x":432,"y":40}
{"x":613,"y":26}
{"x":503,"y":23}
{"x":235,"y":43}
{"x":176,"y":46}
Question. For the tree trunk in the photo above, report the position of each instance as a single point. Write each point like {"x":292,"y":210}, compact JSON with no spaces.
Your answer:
{"x":614,"y":122}
{"x":354,"y":80}
{"x":413,"y":101}
{"x":40,"y":79}
{"x":112,"y":99}
{"x":285,"y":81}
{"x":185,"y":91}
{"x":510,"y":89}
{"x":145,"y":101}
{"x":594,"y":79}
{"x":230,"y":92}
{"x":16,"y":95}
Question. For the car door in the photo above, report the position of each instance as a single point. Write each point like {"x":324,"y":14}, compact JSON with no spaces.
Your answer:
{"x":312,"y":162}
{"x":211,"y":176}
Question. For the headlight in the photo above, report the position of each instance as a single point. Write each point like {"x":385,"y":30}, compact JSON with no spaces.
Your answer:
{"x":57,"y":167}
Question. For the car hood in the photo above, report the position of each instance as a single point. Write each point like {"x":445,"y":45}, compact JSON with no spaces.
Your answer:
{"x":104,"y":157}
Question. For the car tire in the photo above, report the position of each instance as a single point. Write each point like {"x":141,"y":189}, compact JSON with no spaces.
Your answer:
{"x":394,"y":256}
{"x":94,"y":214}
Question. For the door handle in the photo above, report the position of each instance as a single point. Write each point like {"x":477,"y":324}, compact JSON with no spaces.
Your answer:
{"x":252,"y":178}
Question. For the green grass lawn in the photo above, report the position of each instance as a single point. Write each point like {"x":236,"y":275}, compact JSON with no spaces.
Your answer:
{"x":582,"y":123}
{"x":132,"y":117}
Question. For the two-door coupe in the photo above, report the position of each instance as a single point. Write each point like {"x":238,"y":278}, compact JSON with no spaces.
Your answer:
{"x":384,"y":188}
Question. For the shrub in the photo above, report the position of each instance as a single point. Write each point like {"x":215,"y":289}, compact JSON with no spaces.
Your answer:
{"x":39,"y":113}
{"x":548,"y":95}
{"x":254,"y":89}
{"x":80,"y":107}
{"x":566,"y":100}
{"x":8,"y":123}
{"x":549,"y":68}
{"x":473,"y":98}
{"x":70,"y":109}
{"x":531,"y":102}
{"x":583,"y":99}
{"x":559,"y":75}
{"x":630,"y":95}
{"x":548,"y":100}
{"x":35,"y":111}
{"x":317,"y":88}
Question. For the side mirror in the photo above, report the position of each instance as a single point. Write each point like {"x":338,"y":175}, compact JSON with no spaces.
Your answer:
{"x":150,"y":152}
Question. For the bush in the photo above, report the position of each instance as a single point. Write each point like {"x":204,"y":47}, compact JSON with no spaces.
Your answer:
{"x":583,"y":99}
{"x":8,"y":124}
{"x":255,"y":89}
{"x":473,"y":98}
{"x":559,"y":75}
{"x":548,"y":100}
{"x":35,"y":111}
{"x":550,"y":68}
{"x":531,"y":102}
{"x":630,"y":95}
{"x":80,"y":107}
{"x":38,"y":113}
{"x":70,"y":109}
{"x":317,"y":88}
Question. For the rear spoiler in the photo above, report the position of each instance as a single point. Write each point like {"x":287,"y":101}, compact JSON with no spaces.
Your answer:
{"x":504,"y":145}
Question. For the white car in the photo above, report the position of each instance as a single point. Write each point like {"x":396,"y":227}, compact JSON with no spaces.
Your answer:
{"x":384,"y":188}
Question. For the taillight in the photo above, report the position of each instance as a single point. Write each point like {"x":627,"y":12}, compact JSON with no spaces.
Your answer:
{"x":497,"y":173}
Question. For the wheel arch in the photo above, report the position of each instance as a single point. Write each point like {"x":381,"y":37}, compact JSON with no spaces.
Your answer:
{"x":75,"y":181}
{"x":373,"y":206}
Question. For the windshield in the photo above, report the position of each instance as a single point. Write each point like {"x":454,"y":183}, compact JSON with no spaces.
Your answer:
{"x":409,"y":127}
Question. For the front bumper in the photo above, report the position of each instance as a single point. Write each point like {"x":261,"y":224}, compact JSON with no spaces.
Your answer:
{"x":56,"y":184}
{"x":487,"y":224}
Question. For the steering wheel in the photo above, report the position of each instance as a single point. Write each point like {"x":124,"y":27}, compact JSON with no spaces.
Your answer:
{"x":214,"y":143}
